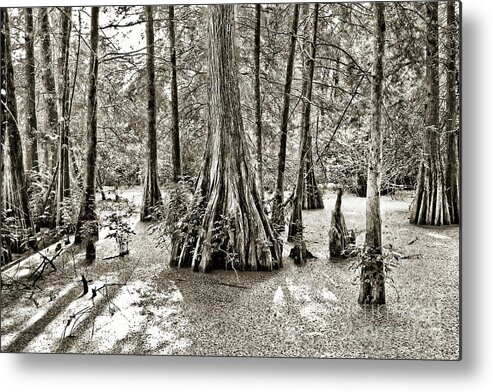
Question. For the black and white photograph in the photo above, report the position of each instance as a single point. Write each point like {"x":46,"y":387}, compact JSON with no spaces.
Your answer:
{"x":232,"y":180}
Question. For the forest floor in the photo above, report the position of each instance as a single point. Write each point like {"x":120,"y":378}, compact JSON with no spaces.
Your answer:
{"x":142,"y":306}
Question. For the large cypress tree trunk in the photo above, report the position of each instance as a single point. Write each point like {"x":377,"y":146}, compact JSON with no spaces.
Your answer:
{"x":430,"y":205}
{"x":278,"y":209}
{"x":372,"y":280}
{"x":63,"y":185}
{"x":175,"y":132}
{"x":151,"y":196}
{"x":227,"y":226}
{"x":452,"y":157}
{"x":50,"y":149}
{"x":296,"y":223}
{"x":31,"y":119}
{"x":258,"y":102}
{"x":16,"y":192}
{"x":87,"y":214}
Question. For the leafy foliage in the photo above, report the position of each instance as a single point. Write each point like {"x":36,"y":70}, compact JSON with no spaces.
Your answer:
{"x":121,"y":231}
{"x":176,"y":211}
{"x":372,"y":264}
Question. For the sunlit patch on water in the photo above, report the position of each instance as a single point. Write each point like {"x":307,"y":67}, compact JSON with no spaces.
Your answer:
{"x":312,"y":312}
{"x":439,"y":236}
{"x":299,"y":293}
{"x":328,"y":295}
{"x":278,"y":296}
{"x":122,"y":317}
{"x":176,"y":295}
{"x":140,"y":311}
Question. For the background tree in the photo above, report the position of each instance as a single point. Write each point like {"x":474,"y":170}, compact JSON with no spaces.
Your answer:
{"x":258,"y":101}
{"x":278,"y":209}
{"x":31,"y":119}
{"x":372,"y":281}
{"x":296,"y":222}
{"x":51,"y":127}
{"x":87,"y":227}
{"x":16,"y":195}
{"x":232,"y":228}
{"x":452,"y":158}
{"x":430,"y":206}
{"x":63,"y":188}
{"x":151,"y":196}
{"x":175,"y":133}
{"x":312,"y":197}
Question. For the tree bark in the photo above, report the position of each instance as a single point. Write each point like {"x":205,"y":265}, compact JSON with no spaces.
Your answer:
{"x":312,"y":196}
{"x":5,"y":254}
{"x":51,"y":130}
{"x":151,"y":195}
{"x":63,"y":185}
{"x":226,"y":227}
{"x":16,"y":192}
{"x":430,"y":205}
{"x":296,"y":223}
{"x":372,"y":279}
{"x":339,"y":236}
{"x":87,"y":214}
{"x":31,"y":119}
{"x":175,"y":134}
{"x":258,"y":103}
{"x":452,"y":157}
{"x":278,"y":208}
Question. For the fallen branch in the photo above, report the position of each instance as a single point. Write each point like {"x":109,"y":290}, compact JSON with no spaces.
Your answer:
{"x":76,"y":318}
{"x":415,"y":256}
{"x":108,"y":285}
{"x":238,"y":286}
{"x":116,"y":256}
{"x":16,"y":282}
{"x":46,"y":261}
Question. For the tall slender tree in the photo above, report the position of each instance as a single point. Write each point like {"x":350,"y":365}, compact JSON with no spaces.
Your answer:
{"x":232,"y":229}
{"x":31,"y":118}
{"x":73,"y":166}
{"x":151,"y":196}
{"x":50,"y":148}
{"x":63,"y":188}
{"x":175,"y":132}
{"x":87,"y":227}
{"x":296,"y":222}
{"x":16,"y":187}
{"x":278,"y":209}
{"x":258,"y":102}
{"x":312,"y":196}
{"x":372,"y":280}
{"x":452,"y":157}
{"x":430,"y":205}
